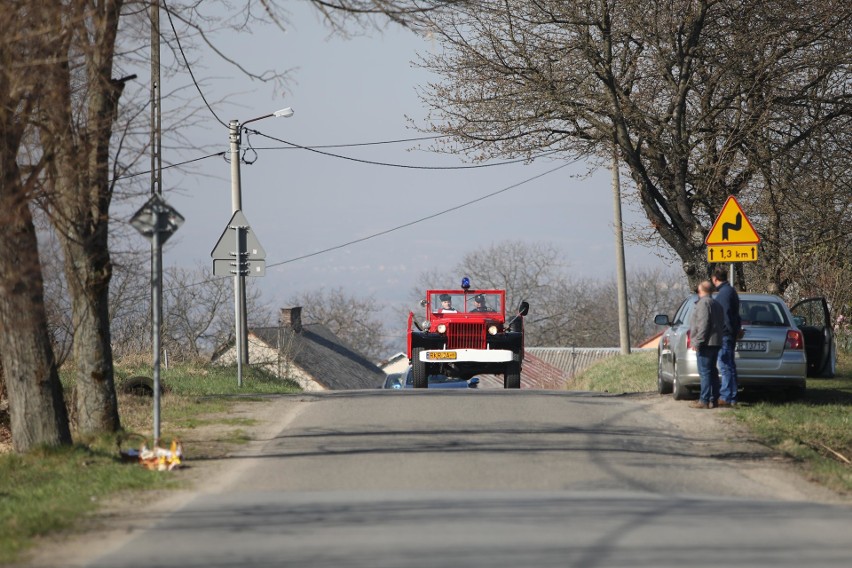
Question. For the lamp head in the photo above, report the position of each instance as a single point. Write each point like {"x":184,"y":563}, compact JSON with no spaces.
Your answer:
{"x":285,"y":112}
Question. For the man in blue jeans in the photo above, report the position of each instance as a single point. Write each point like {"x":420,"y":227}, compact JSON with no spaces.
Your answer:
{"x":705,"y":336}
{"x":727,"y":296}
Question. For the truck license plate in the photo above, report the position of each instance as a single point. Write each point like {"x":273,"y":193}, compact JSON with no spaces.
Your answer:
{"x":441,"y":355}
{"x":751,"y":346}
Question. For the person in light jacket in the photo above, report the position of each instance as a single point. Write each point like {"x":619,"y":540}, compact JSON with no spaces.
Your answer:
{"x":705,"y":336}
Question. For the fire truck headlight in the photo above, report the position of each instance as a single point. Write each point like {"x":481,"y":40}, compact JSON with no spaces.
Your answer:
{"x":442,"y":328}
{"x":492,"y":330}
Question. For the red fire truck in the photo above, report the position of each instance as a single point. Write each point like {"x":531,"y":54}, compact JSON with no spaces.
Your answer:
{"x":465,"y":333}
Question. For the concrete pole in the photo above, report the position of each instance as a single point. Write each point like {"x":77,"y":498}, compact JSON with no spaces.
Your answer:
{"x":236,"y":189}
{"x":240,"y":311}
{"x":623,"y":319}
{"x":241,"y":339}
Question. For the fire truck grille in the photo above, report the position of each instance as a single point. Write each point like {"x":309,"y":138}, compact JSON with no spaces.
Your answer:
{"x":466,"y":336}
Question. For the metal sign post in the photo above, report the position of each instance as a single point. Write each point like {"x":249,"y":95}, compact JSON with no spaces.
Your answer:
{"x":156,"y":221}
{"x":239,"y":257}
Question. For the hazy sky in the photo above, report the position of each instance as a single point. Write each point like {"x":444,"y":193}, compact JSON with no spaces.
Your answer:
{"x":356,"y":91}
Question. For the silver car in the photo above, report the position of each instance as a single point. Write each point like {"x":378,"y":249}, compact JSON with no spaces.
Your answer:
{"x":779,"y":347}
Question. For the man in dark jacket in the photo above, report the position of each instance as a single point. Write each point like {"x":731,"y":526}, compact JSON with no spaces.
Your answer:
{"x":727,"y":296}
{"x":705,"y":336}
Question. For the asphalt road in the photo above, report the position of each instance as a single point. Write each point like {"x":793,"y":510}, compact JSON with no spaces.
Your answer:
{"x":489,"y":479}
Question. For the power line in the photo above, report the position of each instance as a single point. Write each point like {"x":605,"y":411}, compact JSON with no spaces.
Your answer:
{"x":392,"y":165}
{"x":189,"y":67}
{"x":405,"y":225}
{"x":352,"y":145}
{"x":432,"y":216}
{"x":128,"y":176}
{"x":294,"y":146}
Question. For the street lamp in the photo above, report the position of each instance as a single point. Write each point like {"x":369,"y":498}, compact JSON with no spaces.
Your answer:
{"x":241,"y":324}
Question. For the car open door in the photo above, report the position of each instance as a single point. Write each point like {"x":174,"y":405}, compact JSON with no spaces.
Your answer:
{"x":813,"y":318}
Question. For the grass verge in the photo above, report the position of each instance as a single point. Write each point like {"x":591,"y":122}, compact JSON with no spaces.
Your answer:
{"x":50,"y":490}
{"x":816,"y":430}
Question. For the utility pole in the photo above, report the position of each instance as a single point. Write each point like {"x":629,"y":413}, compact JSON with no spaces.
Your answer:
{"x":240,"y":316}
{"x":623,"y":318}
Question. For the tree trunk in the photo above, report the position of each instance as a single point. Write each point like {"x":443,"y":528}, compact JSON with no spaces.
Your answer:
{"x":78,"y":139}
{"x":36,"y":406}
{"x":88,"y":272}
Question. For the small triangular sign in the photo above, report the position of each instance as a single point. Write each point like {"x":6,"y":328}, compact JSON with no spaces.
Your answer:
{"x":226,"y":245}
{"x":732,"y":227}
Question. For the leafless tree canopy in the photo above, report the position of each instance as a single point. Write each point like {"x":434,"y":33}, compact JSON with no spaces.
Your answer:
{"x":565,"y":310}
{"x":703,"y":99}
{"x":355,"y":320}
{"x":61,"y":88}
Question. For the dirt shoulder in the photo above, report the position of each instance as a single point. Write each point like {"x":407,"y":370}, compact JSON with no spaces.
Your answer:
{"x":721,"y":436}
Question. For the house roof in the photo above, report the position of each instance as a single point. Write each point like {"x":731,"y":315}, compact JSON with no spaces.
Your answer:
{"x":323,"y":356}
{"x":652,"y":341}
{"x":535,"y":374}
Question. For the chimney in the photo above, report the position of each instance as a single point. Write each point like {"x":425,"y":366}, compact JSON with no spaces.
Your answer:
{"x":291,"y":318}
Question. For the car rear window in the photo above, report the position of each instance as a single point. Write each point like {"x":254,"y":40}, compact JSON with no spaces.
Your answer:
{"x":762,"y":313}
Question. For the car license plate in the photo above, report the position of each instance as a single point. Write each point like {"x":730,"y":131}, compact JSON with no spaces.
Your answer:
{"x":441,"y":355}
{"x":751,"y":346}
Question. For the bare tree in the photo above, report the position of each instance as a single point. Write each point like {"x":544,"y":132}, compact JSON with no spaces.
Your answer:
{"x":536,"y":272}
{"x":702,"y":99}
{"x":651,"y":292}
{"x":62,"y":86}
{"x":80,"y":107}
{"x":36,"y":406}
{"x":564,"y":310}
{"x":357,"y":321}
{"x":194,"y":302}
{"x":56,"y":298}
{"x":199,"y":312}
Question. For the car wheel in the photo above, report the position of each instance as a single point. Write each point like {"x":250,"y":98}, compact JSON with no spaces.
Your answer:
{"x":679,"y":392}
{"x":663,"y":386}
{"x":512,"y":376}
{"x":418,"y":369}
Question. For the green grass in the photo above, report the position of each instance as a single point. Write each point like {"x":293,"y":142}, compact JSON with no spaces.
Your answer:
{"x":636,"y":372}
{"x":50,"y":490}
{"x":47,"y":491}
{"x":816,"y":430}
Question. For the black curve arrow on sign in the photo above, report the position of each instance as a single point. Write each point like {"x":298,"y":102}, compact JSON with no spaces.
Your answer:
{"x":734,"y":226}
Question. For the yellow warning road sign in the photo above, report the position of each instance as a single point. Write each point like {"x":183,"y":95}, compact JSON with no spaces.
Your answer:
{"x":732,"y":227}
{"x":736,"y":253}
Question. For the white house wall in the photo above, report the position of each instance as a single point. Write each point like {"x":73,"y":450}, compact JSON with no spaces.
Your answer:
{"x":266,"y":357}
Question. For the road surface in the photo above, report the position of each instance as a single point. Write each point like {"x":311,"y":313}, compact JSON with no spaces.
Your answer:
{"x":488,"y":479}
